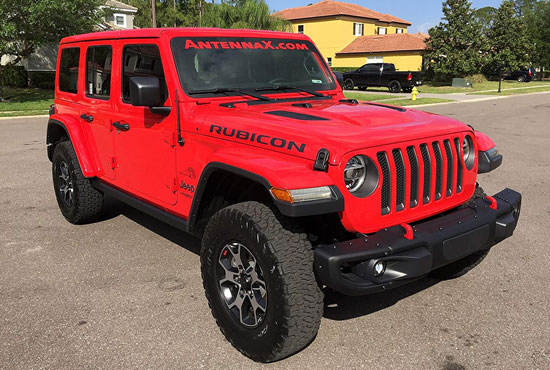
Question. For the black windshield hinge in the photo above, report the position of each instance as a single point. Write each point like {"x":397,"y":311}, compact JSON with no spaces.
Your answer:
{"x":349,"y":101}
{"x":321,"y":162}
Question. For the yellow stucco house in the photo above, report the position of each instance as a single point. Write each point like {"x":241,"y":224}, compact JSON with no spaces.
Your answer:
{"x":349,"y":35}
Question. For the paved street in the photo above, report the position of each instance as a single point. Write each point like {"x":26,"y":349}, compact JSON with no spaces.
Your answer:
{"x":126,"y":292}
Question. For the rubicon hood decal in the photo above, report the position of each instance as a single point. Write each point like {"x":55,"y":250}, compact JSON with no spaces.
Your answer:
{"x":267,"y":140}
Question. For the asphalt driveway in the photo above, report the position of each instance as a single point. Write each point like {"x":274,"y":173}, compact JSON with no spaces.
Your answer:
{"x":126,"y":292}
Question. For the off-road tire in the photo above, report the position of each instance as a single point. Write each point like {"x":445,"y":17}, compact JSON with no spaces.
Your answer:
{"x":87,"y":202}
{"x":349,"y":84}
{"x":464,"y":265}
{"x":294,"y":298}
{"x":522,"y":78}
{"x":394,"y":86}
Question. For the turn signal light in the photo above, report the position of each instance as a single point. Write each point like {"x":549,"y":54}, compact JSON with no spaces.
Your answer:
{"x":282,"y":194}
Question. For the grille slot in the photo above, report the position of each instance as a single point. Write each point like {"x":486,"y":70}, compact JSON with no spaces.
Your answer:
{"x":386,"y":182}
{"x":450,"y":166}
{"x":413,"y":161}
{"x":427,"y":173}
{"x":459,"y":167}
{"x":438,"y":170}
{"x":400,"y":180}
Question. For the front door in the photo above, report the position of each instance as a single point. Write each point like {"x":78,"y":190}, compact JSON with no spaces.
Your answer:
{"x":145,"y":145}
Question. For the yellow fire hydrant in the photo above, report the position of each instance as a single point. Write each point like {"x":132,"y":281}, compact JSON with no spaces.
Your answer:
{"x":414,"y":93}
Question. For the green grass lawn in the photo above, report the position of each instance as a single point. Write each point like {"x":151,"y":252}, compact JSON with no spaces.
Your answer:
{"x":489,"y":85}
{"x":391,"y":100}
{"x":25,"y":102}
{"x":537,"y":89}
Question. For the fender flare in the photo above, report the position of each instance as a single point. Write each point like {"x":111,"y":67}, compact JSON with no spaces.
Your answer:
{"x":291,"y":210}
{"x":73,"y":130}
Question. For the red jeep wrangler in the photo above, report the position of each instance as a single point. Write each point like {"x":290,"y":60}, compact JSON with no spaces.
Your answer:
{"x":245,"y":139}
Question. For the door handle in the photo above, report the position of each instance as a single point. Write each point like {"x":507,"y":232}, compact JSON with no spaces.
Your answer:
{"x":88,"y":118}
{"x":121,"y":126}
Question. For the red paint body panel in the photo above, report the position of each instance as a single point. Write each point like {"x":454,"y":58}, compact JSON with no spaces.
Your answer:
{"x":484,"y":142}
{"x":147,"y":162}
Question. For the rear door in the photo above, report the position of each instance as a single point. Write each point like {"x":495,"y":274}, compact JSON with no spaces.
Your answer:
{"x":96,"y":108}
{"x":146,"y":152}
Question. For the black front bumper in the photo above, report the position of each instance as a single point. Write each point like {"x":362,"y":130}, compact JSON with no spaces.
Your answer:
{"x":348,"y":267}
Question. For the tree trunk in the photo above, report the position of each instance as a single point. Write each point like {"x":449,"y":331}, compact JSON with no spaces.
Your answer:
{"x":499,"y":82}
{"x":175,"y":15}
{"x":1,"y":81}
{"x":154,"y":13}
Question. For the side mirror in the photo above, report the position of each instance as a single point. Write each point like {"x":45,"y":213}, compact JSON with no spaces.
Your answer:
{"x":145,"y":92}
{"x":339,"y":77}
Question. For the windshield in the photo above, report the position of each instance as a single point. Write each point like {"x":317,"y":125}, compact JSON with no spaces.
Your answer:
{"x":205,"y":64}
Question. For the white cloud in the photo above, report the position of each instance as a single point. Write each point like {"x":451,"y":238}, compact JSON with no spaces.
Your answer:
{"x":424,"y":27}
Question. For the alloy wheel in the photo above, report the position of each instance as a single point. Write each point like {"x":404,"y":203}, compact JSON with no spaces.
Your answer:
{"x":242,"y":285}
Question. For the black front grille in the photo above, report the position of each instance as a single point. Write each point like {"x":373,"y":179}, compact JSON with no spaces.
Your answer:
{"x":438,"y":170}
{"x":450,"y":166}
{"x":459,"y":167}
{"x":420,"y":160}
{"x":427,"y":162}
{"x":386,"y":182}
{"x":400,"y":180}
{"x":411,"y":153}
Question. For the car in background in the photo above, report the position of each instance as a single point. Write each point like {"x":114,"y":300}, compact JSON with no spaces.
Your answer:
{"x":381,"y":75}
{"x":521,"y":76}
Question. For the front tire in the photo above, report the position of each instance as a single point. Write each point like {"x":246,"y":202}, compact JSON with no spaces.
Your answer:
{"x":259,"y":282}
{"x":522,"y":78}
{"x":78,"y":201}
{"x":349,"y":84}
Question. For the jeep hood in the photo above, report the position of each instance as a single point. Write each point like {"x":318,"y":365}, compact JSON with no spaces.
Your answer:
{"x":339,"y":127}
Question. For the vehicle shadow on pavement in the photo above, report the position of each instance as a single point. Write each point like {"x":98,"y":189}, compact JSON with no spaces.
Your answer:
{"x":161,"y":228}
{"x":342,"y":307}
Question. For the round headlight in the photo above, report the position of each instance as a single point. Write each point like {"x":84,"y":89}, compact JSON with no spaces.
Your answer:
{"x":355,"y":173}
{"x":468,"y":152}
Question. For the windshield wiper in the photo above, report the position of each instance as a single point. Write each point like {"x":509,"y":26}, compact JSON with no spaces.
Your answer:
{"x":221,"y":90}
{"x":289,"y":87}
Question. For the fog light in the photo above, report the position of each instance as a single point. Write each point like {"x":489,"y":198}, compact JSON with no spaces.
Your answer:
{"x":379,"y":268}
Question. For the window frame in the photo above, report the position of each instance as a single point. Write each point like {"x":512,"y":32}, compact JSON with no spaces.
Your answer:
{"x":361,"y":29}
{"x":303,"y":29}
{"x":91,"y":96}
{"x":399,"y":30}
{"x":383,"y":28}
{"x":329,"y":61}
{"x":123,"y":65}
{"x":77,"y":69}
{"x":125,"y":23}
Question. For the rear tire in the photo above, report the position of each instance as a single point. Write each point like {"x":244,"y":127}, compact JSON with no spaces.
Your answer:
{"x":349,"y":84}
{"x":522,"y":78}
{"x":78,"y":201}
{"x":394,"y":86}
{"x":288,"y":301}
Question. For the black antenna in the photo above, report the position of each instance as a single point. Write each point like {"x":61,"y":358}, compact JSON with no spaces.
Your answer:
{"x":180,"y":139}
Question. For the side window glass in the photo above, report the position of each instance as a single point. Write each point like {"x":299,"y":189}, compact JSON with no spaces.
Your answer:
{"x":98,"y":72}
{"x":68,"y":70}
{"x":142,"y":61}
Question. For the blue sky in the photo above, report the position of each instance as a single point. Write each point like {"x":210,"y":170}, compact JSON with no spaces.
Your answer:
{"x":423,"y":14}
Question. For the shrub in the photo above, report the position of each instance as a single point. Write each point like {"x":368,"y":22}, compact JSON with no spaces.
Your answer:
{"x":477,"y":78}
{"x":14,"y":76}
{"x":43,"y":80}
{"x":343,"y":69}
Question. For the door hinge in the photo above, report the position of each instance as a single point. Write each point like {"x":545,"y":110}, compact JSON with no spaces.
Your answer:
{"x":114,"y":162}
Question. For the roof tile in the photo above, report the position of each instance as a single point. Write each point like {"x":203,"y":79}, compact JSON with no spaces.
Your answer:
{"x":328,"y":8}
{"x":386,"y":43}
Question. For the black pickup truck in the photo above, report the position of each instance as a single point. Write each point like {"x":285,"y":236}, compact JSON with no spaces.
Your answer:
{"x":381,"y":75}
